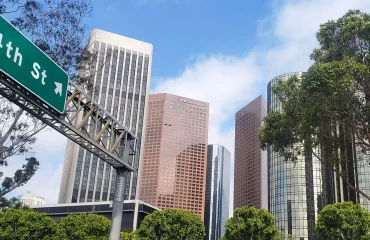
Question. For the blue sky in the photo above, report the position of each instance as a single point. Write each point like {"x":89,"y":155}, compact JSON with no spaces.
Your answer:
{"x":222,"y":52}
{"x":182,"y":29}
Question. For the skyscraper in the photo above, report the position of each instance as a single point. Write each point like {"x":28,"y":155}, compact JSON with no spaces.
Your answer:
{"x":173,"y":172}
{"x":121,"y":85}
{"x":218,"y":183}
{"x":297,"y":191}
{"x":250,"y":184}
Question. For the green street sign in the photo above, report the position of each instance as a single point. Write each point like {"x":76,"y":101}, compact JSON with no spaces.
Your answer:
{"x":26,"y":64}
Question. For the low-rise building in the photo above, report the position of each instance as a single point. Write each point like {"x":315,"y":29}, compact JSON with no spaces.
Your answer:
{"x":134,"y":211}
{"x":31,"y":199}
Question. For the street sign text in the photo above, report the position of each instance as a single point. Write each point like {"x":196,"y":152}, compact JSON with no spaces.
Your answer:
{"x":25,"y":63}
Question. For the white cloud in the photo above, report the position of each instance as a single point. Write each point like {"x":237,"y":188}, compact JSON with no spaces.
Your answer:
{"x":229,"y":83}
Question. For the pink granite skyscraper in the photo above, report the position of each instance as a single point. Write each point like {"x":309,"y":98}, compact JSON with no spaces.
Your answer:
{"x":173,"y":172}
{"x":250,"y":174}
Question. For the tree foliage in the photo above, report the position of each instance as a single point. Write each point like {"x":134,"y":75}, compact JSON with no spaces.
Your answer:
{"x":251,"y":223}
{"x":84,"y":226}
{"x":128,"y":236}
{"x":25,"y":224}
{"x":169,"y":224}
{"x":345,"y":221}
{"x":326,"y":112}
{"x":21,"y":176}
{"x":348,"y":36}
{"x":57,"y":27}
{"x":9,"y":203}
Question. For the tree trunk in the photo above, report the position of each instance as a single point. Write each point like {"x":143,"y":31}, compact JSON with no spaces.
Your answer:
{"x":344,"y":179}
{"x":350,"y":164}
{"x":7,"y":134}
{"x":342,"y":148}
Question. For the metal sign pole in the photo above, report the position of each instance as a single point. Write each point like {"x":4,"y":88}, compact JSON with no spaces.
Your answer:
{"x":118,"y":204}
{"x":119,"y":193}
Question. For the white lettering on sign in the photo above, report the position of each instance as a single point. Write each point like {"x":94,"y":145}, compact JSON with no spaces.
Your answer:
{"x":43,"y":74}
{"x":36,"y":74}
{"x":18,"y":58}
{"x":192,"y":102}
{"x":9,"y":49}
{"x":36,"y":68}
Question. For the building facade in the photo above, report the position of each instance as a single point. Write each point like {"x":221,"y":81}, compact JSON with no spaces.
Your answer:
{"x":31,"y":199}
{"x":218,"y":184}
{"x":297,"y":191}
{"x":173,"y":173}
{"x":133,"y":213}
{"x":121,"y":85}
{"x":250,"y":184}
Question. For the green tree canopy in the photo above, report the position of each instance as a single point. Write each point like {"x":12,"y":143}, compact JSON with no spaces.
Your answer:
{"x":251,"y":223}
{"x":84,"y":226}
{"x":169,"y":224}
{"x":348,"y":36}
{"x":9,"y":203}
{"x":345,"y":221}
{"x":128,"y":236}
{"x":326,"y":112}
{"x":21,"y":176}
{"x":25,"y":224}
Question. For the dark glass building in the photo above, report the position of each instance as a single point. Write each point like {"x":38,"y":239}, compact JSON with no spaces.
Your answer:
{"x":218,"y":184}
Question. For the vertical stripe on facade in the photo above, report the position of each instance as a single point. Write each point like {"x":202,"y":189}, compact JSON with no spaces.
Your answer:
{"x":120,"y":86}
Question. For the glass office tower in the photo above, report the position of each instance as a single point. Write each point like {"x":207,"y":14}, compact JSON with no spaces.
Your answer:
{"x":296,"y":190}
{"x":218,"y":184}
{"x":121,"y":85}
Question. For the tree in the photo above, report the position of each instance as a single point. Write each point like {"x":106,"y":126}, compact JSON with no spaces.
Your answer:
{"x":345,"y":221}
{"x":171,"y":224}
{"x":25,"y":224}
{"x":128,"y":236}
{"x":9,"y":203}
{"x":251,"y":223}
{"x":326,"y":112}
{"x":85,"y":226}
{"x":21,"y":176}
{"x":283,"y":236}
{"x":56,"y":27}
{"x":348,"y":36}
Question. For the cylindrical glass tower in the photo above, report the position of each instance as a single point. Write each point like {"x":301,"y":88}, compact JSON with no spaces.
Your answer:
{"x":295,"y":189}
